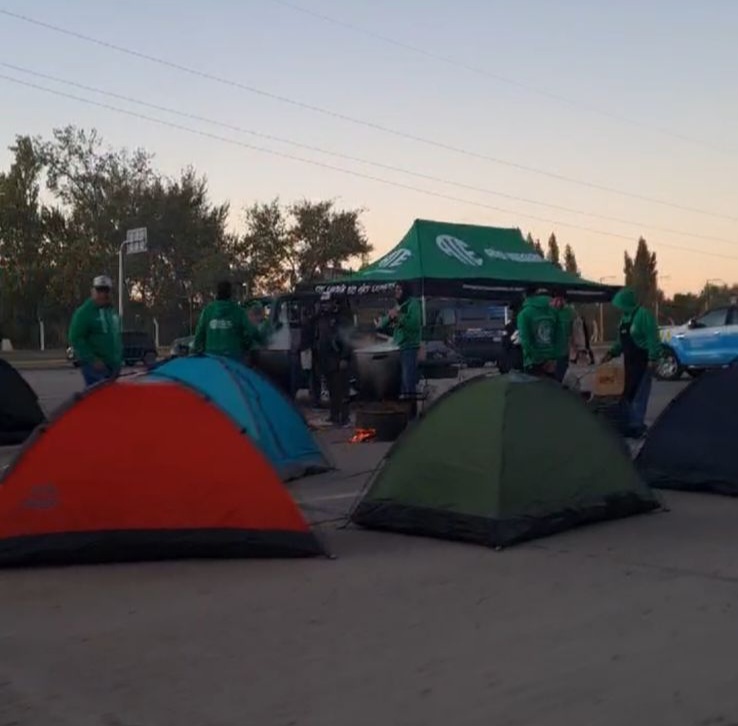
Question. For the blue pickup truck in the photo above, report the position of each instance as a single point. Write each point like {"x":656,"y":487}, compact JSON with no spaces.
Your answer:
{"x":709,"y":341}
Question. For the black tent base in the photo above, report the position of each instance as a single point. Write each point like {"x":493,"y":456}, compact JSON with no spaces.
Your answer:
{"x":422,"y":521}
{"x":75,"y":548}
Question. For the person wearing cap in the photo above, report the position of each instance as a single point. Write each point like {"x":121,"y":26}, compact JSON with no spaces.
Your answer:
{"x":640,"y":345}
{"x":538,"y":325}
{"x":224,"y":327}
{"x":95,"y":335}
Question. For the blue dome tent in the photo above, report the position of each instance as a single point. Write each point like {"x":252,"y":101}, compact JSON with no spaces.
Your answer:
{"x":259,"y":409}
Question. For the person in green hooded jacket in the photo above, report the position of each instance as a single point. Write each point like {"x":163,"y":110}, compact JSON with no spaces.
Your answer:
{"x":95,"y":335}
{"x":224,"y":327}
{"x":565,"y":316}
{"x":406,"y":323}
{"x":538,"y":330}
{"x":640,"y":345}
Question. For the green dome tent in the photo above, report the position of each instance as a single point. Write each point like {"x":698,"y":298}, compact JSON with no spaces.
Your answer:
{"x":503,"y":459}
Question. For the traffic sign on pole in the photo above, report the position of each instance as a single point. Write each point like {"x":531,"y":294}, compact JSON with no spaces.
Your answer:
{"x":136,"y":240}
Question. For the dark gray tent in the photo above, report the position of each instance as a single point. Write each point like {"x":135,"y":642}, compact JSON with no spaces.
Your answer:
{"x":20,"y":413}
{"x":692,"y":445}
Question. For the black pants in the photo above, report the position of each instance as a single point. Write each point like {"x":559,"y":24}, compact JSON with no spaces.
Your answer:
{"x":315,"y":383}
{"x":338,"y":390}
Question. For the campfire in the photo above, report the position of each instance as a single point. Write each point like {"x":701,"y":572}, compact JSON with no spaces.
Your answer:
{"x":362,"y":435}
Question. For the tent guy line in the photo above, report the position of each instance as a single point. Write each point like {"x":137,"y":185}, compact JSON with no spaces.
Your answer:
{"x":357,"y":121}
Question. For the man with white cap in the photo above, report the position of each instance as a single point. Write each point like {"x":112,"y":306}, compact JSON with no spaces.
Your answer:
{"x":95,"y":334}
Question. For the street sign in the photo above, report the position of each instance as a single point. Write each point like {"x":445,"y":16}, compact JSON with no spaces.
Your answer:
{"x":136,"y":240}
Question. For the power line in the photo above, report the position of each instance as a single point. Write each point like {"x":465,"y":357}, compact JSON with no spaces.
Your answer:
{"x":530,"y":88}
{"x":360,"y":122}
{"x":358,"y":159}
{"x":341,"y":170}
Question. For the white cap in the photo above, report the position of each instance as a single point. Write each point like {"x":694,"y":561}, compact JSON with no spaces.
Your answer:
{"x":102,"y":281}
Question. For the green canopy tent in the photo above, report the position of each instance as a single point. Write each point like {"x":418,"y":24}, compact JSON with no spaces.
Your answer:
{"x":465,"y":261}
{"x":502,"y":459}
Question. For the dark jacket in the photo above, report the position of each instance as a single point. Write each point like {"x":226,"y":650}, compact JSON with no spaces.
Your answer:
{"x":332,"y":345}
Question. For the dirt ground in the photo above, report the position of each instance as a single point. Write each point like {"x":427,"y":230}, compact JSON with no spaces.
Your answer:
{"x":625,"y":622}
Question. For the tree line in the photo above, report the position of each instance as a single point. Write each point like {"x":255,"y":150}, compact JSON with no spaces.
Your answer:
{"x":67,"y":201}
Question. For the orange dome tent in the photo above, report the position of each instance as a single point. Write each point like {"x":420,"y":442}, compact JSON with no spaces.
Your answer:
{"x":139,"y":470}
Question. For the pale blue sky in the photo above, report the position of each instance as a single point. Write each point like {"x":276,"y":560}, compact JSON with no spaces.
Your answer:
{"x":668,"y":64}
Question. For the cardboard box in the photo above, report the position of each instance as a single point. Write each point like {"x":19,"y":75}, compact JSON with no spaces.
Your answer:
{"x":609,"y":380}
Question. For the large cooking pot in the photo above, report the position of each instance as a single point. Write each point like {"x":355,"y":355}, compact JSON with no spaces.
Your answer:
{"x":378,"y":372}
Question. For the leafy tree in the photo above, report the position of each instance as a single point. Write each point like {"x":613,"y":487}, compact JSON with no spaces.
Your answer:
{"x":570,"y":261}
{"x":323,"y":239}
{"x":554,"y":253}
{"x":305,"y":241}
{"x":25,"y":248}
{"x":260,"y":253}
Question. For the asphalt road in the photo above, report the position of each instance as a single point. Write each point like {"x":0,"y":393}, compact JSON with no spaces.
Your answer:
{"x":627,"y":622}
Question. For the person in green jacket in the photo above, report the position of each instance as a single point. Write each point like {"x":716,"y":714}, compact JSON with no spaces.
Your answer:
{"x":94,"y":335}
{"x":224,"y":327}
{"x":405,"y":322}
{"x":538,"y":325}
{"x":640,"y":345}
{"x":565,"y":326}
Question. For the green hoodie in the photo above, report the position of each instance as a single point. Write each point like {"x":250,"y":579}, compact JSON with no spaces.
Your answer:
{"x":94,"y":334}
{"x":564,"y":327}
{"x":224,"y":329}
{"x":408,"y":326}
{"x":538,"y":326}
{"x":643,"y":327}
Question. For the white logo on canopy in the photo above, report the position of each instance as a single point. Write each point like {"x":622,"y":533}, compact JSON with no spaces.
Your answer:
{"x":460,"y":250}
{"x":494,"y":254}
{"x":396,"y":258}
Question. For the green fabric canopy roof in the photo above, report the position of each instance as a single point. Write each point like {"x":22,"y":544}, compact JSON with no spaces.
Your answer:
{"x":464,"y":260}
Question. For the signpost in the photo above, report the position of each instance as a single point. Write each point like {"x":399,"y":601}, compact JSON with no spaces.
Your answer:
{"x":136,"y":241}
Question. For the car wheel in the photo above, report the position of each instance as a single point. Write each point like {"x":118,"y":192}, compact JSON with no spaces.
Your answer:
{"x":149,"y":359}
{"x":669,"y":368}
